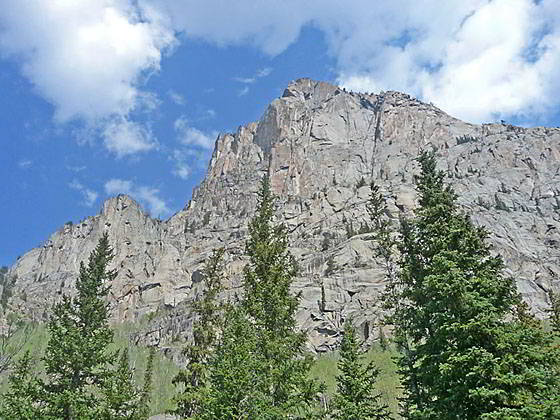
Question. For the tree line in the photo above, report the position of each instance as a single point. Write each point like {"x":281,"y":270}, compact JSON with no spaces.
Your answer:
{"x":468,"y":346}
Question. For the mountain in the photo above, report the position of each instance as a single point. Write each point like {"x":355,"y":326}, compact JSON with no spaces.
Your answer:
{"x":321,"y":146}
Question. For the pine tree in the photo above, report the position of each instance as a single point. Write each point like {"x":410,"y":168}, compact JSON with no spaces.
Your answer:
{"x":271,"y":306}
{"x":122,"y":399}
{"x":234,"y":390}
{"x":23,"y":399}
{"x":81,"y":382}
{"x":554,"y":311}
{"x":146,"y":394}
{"x":193,"y":379}
{"x":468,"y":355}
{"x":356,"y":398}
{"x":264,"y":375}
{"x":77,"y":356}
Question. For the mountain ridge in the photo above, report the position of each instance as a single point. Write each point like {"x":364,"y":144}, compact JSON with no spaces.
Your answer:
{"x":317,"y":143}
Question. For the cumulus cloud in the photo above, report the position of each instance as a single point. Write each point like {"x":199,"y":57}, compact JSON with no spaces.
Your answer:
{"x":195,"y":148}
{"x":147,"y":196}
{"x":182,"y":164}
{"x":89,"y":196}
{"x":190,"y":136}
{"x":123,"y":137}
{"x":477,"y":59}
{"x":88,"y":58}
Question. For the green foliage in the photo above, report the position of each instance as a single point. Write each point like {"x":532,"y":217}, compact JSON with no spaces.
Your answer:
{"x":14,"y":335}
{"x":325,"y":370}
{"x":356,"y":397}
{"x":76,"y":356}
{"x":466,"y":354}
{"x":235,"y":382}
{"x":383,"y":342}
{"x":554,"y":311}
{"x":79,"y":381}
{"x":21,"y":401}
{"x":264,"y":375}
{"x":122,"y":399}
{"x":192,"y":380}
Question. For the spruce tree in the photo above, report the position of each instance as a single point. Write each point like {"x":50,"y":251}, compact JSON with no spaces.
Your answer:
{"x":122,"y":399}
{"x":234,"y":390}
{"x":356,"y":398}
{"x":271,"y":307}
{"x":554,"y":311}
{"x":261,"y":370}
{"x":192,"y":380}
{"x":77,"y":356}
{"x":23,"y":399}
{"x":469,"y":355}
{"x":146,"y":394}
{"x":80,"y":380}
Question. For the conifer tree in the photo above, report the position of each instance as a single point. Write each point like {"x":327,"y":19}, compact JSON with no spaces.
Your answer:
{"x":234,"y":390}
{"x":80,"y":382}
{"x":122,"y":399}
{"x":554,"y":311}
{"x":356,"y":398}
{"x":271,"y":307}
{"x":77,"y":356}
{"x":260,"y":370}
{"x":209,"y":311}
{"x":469,"y":354}
{"x":23,"y":399}
{"x":146,"y":394}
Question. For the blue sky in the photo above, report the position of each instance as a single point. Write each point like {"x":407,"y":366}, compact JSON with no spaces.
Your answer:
{"x":107,"y":96}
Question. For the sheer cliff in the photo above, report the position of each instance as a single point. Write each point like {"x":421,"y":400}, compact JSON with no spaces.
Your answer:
{"x":321,"y":147}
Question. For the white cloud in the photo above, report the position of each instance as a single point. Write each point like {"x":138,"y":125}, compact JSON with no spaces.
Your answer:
{"x":76,"y":168}
{"x":147,"y":196}
{"x":123,"y":137}
{"x":88,"y":58}
{"x":250,"y":80}
{"x":190,"y":136}
{"x":246,"y":80}
{"x":177,"y":98}
{"x":182,"y":170}
{"x":89,"y":196}
{"x":187,"y":160}
{"x":25,"y":163}
{"x":477,"y":59}
{"x":182,"y":167}
{"x":264,"y":72}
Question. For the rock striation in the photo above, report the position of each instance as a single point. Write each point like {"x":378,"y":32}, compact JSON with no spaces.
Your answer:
{"x":321,"y":146}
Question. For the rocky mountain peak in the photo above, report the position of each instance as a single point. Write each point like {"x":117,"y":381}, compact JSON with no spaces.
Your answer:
{"x":121,"y":204}
{"x":320,"y":146}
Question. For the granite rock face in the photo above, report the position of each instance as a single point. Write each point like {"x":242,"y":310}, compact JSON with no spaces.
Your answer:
{"x":321,"y":147}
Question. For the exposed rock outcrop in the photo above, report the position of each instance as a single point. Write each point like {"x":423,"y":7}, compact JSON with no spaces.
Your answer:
{"x":318,"y":144}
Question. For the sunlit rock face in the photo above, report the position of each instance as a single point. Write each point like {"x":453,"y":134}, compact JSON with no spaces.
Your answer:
{"x":321,"y":147}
